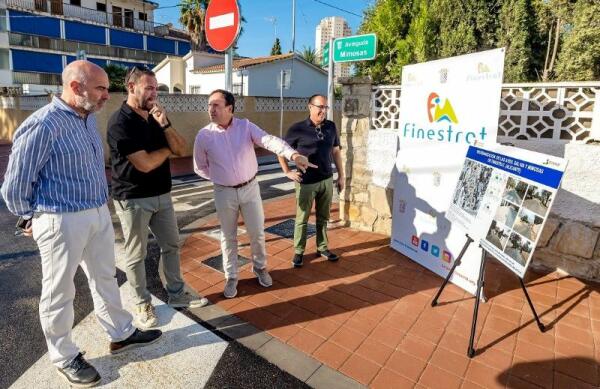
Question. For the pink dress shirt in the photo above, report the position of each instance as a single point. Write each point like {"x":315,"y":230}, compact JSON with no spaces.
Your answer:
{"x":226,"y":156}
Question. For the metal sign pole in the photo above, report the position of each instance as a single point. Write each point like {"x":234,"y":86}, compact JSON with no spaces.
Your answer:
{"x":229,"y":69}
{"x":330,"y":97}
{"x":281,"y":103}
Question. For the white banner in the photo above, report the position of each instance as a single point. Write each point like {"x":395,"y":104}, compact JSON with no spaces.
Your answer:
{"x":446,"y":105}
{"x":503,"y":198}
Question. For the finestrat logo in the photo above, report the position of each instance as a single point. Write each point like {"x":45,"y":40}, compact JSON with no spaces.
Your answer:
{"x":438,"y":112}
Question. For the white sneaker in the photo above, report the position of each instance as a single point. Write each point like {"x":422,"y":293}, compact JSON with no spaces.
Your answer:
{"x":146,"y":315}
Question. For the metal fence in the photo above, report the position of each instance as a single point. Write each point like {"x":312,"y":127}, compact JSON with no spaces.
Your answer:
{"x":545,"y":112}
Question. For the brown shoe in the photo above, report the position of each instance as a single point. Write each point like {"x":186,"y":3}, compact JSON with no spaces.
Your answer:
{"x":139,"y":338}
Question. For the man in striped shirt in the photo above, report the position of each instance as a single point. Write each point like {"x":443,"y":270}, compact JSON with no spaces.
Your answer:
{"x":55,"y":178}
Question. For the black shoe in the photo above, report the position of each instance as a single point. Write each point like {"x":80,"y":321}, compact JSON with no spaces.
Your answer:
{"x":80,"y":373}
{"x":297,"y":261}
{"x":139,"y":338}
{"x":329,"y":255}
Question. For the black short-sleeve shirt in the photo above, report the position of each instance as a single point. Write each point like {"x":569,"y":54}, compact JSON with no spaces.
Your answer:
{"x":128,"y":133}
{"x":303,"y":136}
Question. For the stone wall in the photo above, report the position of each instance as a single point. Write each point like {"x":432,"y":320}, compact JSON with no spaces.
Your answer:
{"x":570,"y":241}
{"x":362,"y":205}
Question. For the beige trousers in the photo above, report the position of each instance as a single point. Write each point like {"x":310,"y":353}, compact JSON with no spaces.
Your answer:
{"x":66,"y":241}
{"x":229,"y":202}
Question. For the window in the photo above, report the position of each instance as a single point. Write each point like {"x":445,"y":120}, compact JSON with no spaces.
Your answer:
{"x":129,"y":18}
{"x":195,"y":89}
{"x":143,"y":16}
{"x":76,"y":2}
{"x":3,"y":20}
{"x":4,"y":63}
{"x":117,"y":16}
{"x":101,"y":7}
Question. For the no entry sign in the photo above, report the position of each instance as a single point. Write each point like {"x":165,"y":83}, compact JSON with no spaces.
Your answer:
{"x":222,"y":24}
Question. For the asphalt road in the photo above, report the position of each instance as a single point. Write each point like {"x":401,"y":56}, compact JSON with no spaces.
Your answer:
{"x":20,"y":284}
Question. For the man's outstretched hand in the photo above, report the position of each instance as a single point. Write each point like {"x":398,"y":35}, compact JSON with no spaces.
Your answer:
{"x":302,"y":162}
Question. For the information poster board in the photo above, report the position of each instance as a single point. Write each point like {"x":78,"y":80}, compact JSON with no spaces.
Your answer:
{"x":503,"y":198}
{"x":446,"y":105}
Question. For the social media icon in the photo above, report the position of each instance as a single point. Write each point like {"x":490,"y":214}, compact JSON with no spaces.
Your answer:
{"x":435,"y":251}
{"x":415,"y":241}
{"x":424,"y":245}
{"x":446,"y":256}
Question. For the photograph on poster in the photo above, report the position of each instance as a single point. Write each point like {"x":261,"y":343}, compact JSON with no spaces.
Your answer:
{"x":518,"y":248}
{"x":498,"y":234}
{"x":528,"y":224}
{"x":506,"y":213}
{"x":515,"y":190}
{"x":537,"y":200}
{"x":472,"y":184}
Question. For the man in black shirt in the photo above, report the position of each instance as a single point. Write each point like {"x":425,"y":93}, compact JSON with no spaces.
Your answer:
{"x":141,"y":139}
{"x":317,"y":138}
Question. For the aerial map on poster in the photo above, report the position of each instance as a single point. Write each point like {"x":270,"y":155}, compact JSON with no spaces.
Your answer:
{"x":502,"y":199}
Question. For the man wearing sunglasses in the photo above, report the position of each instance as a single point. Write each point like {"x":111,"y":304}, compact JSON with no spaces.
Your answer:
{"x":317,"y":138}
{"x":141,"y":139}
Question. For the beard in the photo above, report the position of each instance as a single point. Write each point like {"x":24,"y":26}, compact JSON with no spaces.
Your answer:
{"x":84,"y":102}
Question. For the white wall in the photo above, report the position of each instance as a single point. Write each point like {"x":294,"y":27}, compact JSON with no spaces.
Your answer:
{"x":207,"y":82}
{"x":263,"y":80}
{"x":163,"y":75}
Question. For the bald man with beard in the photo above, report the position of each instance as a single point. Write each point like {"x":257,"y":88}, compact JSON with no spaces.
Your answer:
{"x":55,"y":182}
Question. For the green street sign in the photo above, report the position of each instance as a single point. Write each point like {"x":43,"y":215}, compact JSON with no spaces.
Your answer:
{"x":355,"y":48}
{"x":325,"y":55}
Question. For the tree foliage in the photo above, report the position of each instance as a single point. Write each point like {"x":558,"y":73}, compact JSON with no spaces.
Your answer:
{"x":116,"y":77}
{"x":580,"y":58}
{"x":192,"y":16}
{"x":309,"y":55}
{"x":276,"y":49}
{"x":544,"y":39}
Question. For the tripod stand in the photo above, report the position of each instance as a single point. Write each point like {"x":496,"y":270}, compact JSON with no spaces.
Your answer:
{"x":480,"y":284}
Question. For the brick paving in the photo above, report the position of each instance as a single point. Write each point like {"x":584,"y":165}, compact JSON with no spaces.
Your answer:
{"x":369,"y":315}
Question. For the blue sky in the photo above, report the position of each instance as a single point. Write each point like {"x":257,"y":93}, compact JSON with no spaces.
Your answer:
{"x":259,"y":32}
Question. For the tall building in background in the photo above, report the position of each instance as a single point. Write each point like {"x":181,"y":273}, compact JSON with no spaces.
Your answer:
{"x":332,"y":27}
{"x":38,"y":38}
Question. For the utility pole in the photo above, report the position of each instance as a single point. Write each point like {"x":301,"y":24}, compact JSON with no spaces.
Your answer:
{"x":330,"y":96}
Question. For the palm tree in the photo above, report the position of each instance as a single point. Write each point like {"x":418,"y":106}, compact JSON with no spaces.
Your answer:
{"x":309,"y":55}
{"x":192,"y":17}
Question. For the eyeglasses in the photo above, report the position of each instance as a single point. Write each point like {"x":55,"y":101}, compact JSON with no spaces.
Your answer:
{"x":137,"y":68}
{"x":320,"y":135}
{"x":321,"y":107}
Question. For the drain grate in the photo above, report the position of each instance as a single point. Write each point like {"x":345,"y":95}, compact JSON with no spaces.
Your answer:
{"x":217,"y":262}
{"x":286,"y":229}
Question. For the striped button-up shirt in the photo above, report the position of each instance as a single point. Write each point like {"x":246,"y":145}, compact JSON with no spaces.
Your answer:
{"x":56,"y":164}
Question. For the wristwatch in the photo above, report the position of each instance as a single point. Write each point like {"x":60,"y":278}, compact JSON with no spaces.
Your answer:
{"x":166,"y":125}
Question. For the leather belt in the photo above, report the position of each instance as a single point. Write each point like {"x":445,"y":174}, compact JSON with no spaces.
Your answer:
{"x":243,"y":183}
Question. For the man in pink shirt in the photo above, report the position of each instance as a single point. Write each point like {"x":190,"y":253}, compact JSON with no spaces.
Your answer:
{"x":224,"y":154}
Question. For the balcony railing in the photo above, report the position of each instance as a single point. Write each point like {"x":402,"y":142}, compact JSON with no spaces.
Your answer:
{"x":71,"y":47}
{"x":36,"y":78}
{"x":120,"y":19}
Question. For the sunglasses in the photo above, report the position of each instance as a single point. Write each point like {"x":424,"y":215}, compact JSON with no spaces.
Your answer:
{"x":320,"y":135}
{"x":137,"y":68}
{"x":321,"y":107}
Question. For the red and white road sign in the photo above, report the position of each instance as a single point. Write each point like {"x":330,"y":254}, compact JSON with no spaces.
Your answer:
{"x":222,"y":23}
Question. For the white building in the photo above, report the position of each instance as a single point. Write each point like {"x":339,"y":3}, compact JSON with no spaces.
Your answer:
{"x":38,"y":38}
{"x":201,"y":73}
{"x":328,"y":28}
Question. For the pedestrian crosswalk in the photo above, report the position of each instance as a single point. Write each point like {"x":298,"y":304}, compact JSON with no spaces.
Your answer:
{"x":193,"y":193}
